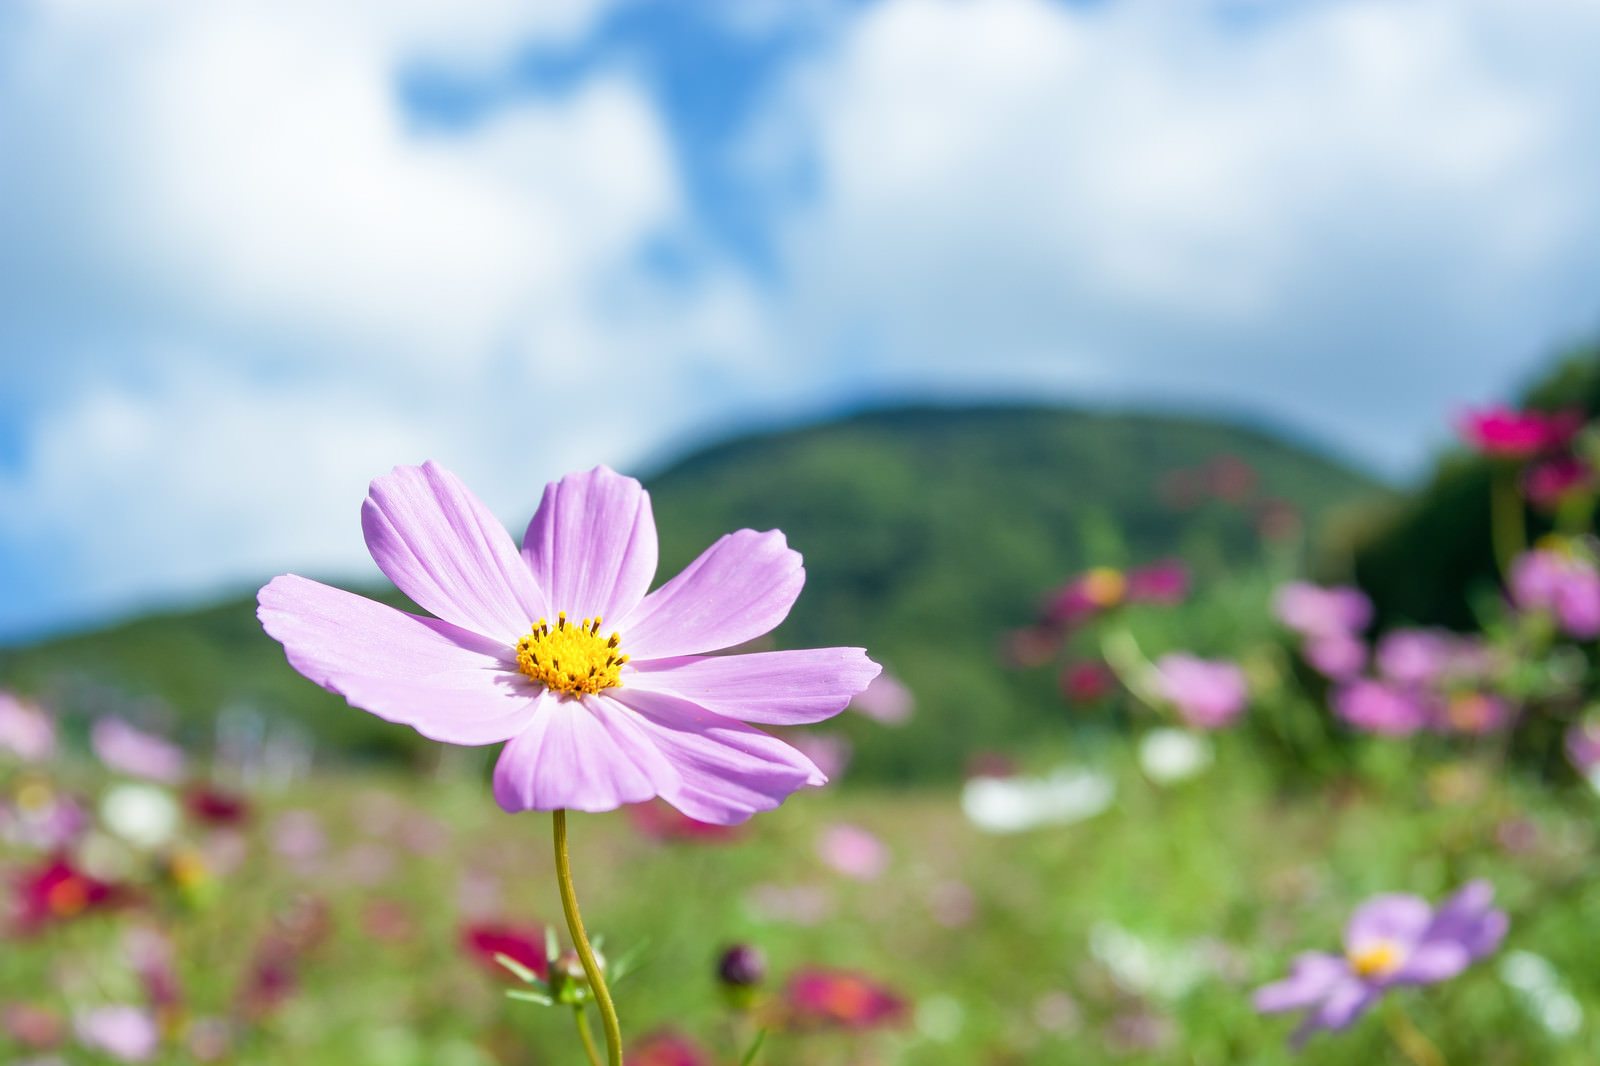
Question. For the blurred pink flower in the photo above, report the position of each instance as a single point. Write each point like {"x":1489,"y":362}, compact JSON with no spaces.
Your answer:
{"x":43,"y":820}
{"x":1549,"y":484}
{"x":298,"y":835}
{"x":952,"y":904}
{"x":1313,"y":611}
{"x":1414,"y":656}
{"x":667,"y":1047}
{"x":1583,"y":746}
{"x":25,"y":729}
{"x":34,"y":1027}
{"x":1164,"y":582}
{"x":660,"y":822}
{"x":524,"y":943}
{"x":1336,"y":656}
{"x":1087,"y":682}
{"x":126,"y":1033}
{"x":1503,"y":433}
{"x":1381,"y":707}
{"x":819,"y":997}
{"x":130,"y":751}
{"x":796,"y":904}
{"x":853,"y":851}
{"x":1206,"y":693}
{"x":516,"y":653}
{"x":1561,"y":584}
{"x":886,"y":700}
{"x":830,"y":752}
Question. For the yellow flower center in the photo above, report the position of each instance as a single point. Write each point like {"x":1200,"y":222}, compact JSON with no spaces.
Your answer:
{"x":1104,"y":587}
{"x":571,"y":658}
{"x":1379,"y":959}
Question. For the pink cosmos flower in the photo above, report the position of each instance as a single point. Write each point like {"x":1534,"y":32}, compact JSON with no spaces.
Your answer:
{"x":818,"y":997}
{"x":853,"y":851}
{"x":1414,"y":656}
{"x":1564,"y":585}
{"x":1086,"y":682}
{"x":662,"y":823}
{"x":1381,"y":707}
{"x":1336,"y":656}
{"x":126,"y":1033}
{"x":1549,"y":484}
{"x":1163,"y":583}
{"x":25,"y":730}
{"x":1313,"y":611}
{"x":1207,"y":694}
{"x":1502,"y":433}
{"x":1390,"y":940}
{"x":886,"y":700}
{"x":594,"y":717}
{"x":136,"y":753}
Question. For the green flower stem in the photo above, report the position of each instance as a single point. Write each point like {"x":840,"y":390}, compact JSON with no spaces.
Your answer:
{"x":582,"y":1021}
{"x":580,"y":941}
{"x":1410,"y":1040}
{"x":1507,"y":527}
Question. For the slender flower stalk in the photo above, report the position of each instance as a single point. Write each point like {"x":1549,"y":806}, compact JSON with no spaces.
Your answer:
{"x":581,"y":1020}
{"x":1507,"y":527}
{"x":580,"y":941}
{"x":1411,"y":1041}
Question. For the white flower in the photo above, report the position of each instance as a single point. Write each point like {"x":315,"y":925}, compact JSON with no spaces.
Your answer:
{"x":143,"y":815}
{"x":1169,"y":756}
{"x":1013,"y":804}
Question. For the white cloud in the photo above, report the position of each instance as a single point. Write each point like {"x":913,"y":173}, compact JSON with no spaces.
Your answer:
{"x":1313,"y":213}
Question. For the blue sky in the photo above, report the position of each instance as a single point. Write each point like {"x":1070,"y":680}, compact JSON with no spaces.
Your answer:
{"x":254,"y":254}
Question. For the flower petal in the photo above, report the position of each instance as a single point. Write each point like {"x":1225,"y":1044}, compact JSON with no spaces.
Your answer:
{"x":727,"y":770}
{"x":771,"y":687}
{"x":445,"y":682}
{"x":1344,"y":1004}
{"x":1312,"y":977}
{"x":739,"y":588}
{"x":1394,"y":918}
{"x":1432,"y":961}
{"x":1469,"y":919}
{"x":440,"y":545}
{"x":592,"y":545}
{"x":588,"y":754}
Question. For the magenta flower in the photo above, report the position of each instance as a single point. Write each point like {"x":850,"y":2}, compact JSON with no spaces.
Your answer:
{"x":1550,"y":483}
{"x":1336,"y":656}
{"x":136,"y":753}
{"x":1313,"y":611}
{"x":842,"y":999}
{"x":1502,"y":433}
{"x":1414,"y":656}
{"x":1381,"y":707}
{"x":1164,"y":582}
{"x":1206,"y":693}
{"x":1390,"y":940}
{"x":604,"y":693}
{"x":1565,"y":586}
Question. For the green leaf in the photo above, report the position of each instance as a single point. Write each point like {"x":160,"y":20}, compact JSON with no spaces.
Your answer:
{"x":523,"y":974}
{"x":530,"y":997}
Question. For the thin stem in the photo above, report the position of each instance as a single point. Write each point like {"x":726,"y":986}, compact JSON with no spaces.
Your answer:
{"x":1507,"y":528}
{"x":582,"y":1021}
{"x":591,"y":968}
{"x":1411,"y":1041}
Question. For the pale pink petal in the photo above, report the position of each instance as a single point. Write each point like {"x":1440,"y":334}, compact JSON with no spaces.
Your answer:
{"x":434,"y":539}
{"x":588,"y":754}
{"x":1393,"y":918}
{"x":738,"y":589}
{"x":728,"y":770}
{"x":445,"y":682}
{"x":771,"y":687}
{"x":592,"y":545}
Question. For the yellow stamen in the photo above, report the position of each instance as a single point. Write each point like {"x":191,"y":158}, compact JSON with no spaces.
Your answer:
{"x":1104,"y":587}
{"x":1379,"y":959}
{"x":571,"y":658}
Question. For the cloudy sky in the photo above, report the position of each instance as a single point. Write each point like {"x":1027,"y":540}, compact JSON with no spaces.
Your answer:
{"x":254,"y":254}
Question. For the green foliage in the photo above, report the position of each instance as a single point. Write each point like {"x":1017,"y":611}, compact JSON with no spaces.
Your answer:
{"x":1432,"y":556}
{"x":927,"y":533}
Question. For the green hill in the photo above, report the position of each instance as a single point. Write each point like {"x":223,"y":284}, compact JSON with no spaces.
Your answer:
{"x":927,"y":533}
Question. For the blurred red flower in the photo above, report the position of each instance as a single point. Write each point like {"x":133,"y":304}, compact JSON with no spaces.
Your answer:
{"x":841,"y":998}
{"x":482,"y":941}
{"x":57,"y":891}
{"x":667,"y":1047}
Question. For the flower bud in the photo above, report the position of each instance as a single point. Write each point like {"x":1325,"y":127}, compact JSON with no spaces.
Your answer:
{"x":740,"y":972}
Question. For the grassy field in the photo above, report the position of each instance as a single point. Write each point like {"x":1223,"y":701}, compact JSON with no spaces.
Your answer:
{"x":1135,"y":935}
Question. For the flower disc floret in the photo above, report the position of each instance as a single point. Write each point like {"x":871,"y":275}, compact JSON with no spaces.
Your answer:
{"x":1377,"y":960}
{"x":573,"y":659}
